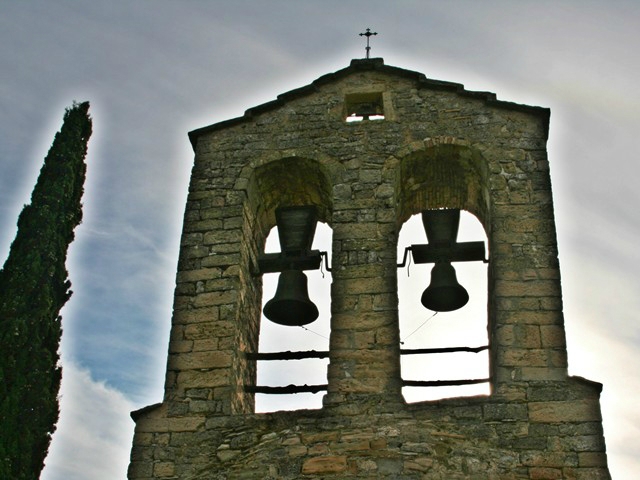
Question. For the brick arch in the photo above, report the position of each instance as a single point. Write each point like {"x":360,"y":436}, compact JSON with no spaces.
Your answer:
{"x":286,"y":182}
{"x":443,"y":174}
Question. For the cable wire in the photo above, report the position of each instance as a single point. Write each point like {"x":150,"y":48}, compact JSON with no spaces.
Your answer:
{"x":422,"y":325}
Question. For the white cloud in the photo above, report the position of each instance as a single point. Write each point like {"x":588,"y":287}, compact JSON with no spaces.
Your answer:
{"x":602,"y":339}
{"x":94,"y":433}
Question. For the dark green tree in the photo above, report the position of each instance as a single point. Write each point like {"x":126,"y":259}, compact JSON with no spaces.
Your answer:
{"x":34,"y":286}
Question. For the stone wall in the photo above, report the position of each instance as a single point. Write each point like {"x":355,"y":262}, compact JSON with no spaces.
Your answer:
{"x":438,"y":146}
{"x":547,"y":431}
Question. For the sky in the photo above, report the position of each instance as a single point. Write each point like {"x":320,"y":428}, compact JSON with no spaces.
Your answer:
{"x":155,"y":69}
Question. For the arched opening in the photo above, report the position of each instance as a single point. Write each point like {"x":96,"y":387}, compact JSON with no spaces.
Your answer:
{"x":425,"y":330}
{"x":307,"y":338}
{"x":280,"y":184}
{"x":454,"y":356}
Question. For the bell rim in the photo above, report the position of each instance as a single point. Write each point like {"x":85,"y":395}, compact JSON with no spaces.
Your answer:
{"x":460,"y":300}
{"x":310,"y":314}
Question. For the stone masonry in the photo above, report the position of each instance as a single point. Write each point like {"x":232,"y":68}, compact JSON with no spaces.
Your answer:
{"x":438,"y":146}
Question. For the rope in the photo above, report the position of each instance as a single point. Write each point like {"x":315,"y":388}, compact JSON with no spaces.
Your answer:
{"x":422,"y":325}
{"x":316,"y":333}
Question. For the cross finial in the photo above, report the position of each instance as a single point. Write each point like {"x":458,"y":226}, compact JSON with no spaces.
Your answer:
{"x":367,"y":34}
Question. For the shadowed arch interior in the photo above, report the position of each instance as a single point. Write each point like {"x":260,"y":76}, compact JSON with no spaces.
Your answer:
{"x":288,"y":182}
{"x":443,"y":176}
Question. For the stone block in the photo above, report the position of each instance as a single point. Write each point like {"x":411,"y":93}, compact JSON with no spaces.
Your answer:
{"x":140,"y":470}
{"x":583,"y":443}
{"x":317,"y":437}
{"x":543,"y":374}
{"x":180,"y":346}
{"x":297,"y":451}
{"x":164,"y":469}
{"x":215,"y":298}
{"x":318,"y":449}
{"x":366,"y":465}
{"x":594,"y":473}
{"x":209,"y":329}
{"x":324,"y":465}
{"x":221,"y":260}
{"x":520,"y":336}
{"x":199,"y":360}
{"x":206,"y":344}
{"x":367,"y":285}
{"x":348,"y":446}
{"x":390,"y":467}
{"x":544,"y":473}
{"x":418,"y":464}
{"x":552,"y":336}
{"x":562,"y":412}
{"x":520,"y":357}
{"x":204,"y":379}
{"x":199,"y":274}
{"x":592,"y":459}
{"x":160,"y":425}
{"x":549,"y":459}
{"x":378,"y":444}
{"x":537,"y":288}
{"x":196,"y":315}
{"x":505,"y":412}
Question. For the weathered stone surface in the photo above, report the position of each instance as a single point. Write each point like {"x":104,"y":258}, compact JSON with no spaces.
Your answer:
{"x":324,"y":465}
{"x":560,"y":412}
{"x":439,"y":146}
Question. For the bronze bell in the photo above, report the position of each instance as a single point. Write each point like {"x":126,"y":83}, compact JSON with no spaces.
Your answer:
{"x":444,"y":293}
{"x":291,"y":305}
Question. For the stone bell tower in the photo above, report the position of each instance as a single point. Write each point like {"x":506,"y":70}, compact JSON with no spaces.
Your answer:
{"x":362,"y":150}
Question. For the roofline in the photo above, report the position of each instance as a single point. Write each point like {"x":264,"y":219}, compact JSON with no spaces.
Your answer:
{"x":364,"y":65}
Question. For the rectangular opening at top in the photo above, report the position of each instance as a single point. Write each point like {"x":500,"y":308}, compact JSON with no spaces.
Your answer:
{"x":364,"y":106}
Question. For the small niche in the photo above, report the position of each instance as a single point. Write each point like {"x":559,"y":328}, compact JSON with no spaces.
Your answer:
{"x":364,"y":106}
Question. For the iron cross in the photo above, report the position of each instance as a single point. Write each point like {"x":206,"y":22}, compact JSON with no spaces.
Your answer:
{"x":367,"y":34}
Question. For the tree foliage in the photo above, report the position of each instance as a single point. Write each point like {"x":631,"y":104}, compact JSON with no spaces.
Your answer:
{"x":34,"y":286}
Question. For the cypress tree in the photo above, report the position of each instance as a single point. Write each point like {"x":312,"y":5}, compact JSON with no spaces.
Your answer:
{"x":34,"y":286}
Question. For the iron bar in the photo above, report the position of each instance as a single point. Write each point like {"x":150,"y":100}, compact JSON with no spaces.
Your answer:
{"x":288,"y":355}
{"x":285,"y":390}
{"x":443,"y":383}
{"x":289,"y":389}
{"x":301,"y":355}
{"x":407,"y":351}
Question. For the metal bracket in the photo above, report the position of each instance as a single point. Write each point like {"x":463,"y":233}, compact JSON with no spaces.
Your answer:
{"x":278,"y":262}
{"x":457,"y":252}
{"x":404,"y":258}
{"x":326,"y":261}
{"x":454,"y":252}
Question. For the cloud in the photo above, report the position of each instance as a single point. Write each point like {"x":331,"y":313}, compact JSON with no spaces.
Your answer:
{"x":138,"y":303}
{"x":94,"y":433}
{"x":602,"y":335}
